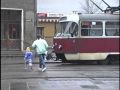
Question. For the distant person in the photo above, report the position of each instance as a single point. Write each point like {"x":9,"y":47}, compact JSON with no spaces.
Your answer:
{"x":28,"y":58}
{"x":41,"y":48}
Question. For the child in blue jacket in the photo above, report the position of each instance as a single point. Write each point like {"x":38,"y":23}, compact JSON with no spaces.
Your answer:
{"x":28,"y":58}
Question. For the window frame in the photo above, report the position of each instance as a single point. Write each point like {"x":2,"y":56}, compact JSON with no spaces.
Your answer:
{"x":111,"y":29}
{"x":89,"y":28}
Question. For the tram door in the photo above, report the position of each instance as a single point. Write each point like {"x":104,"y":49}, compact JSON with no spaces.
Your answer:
{"x":72,"y":42}
{"x":10,"y":31}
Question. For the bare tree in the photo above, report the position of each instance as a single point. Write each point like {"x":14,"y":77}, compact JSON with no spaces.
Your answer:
{"x":90,"y":7}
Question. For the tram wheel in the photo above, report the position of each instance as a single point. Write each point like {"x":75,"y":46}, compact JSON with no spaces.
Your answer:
{"x":64,"y":61}
{"x":103,"y":62}
{"x":61,"y":57}
{"x":114,"y":59}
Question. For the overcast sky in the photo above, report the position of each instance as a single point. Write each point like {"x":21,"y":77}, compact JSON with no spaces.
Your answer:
{"x":67,"y":6}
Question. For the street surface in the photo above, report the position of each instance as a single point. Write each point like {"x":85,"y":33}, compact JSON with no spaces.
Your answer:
{"x":59,"y":76}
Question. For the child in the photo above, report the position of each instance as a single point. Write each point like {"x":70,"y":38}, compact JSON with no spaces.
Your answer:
{"x":28,"y":58}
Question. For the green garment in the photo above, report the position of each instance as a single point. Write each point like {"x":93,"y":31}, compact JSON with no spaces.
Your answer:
{"x":40,"y":45}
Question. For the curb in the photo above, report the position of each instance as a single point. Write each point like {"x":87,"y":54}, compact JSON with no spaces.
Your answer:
{"x":11,"y":63}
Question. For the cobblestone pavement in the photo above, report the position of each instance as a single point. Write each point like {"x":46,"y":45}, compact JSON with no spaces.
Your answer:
{"x":59,"y":76}
{"x":61,"y":84}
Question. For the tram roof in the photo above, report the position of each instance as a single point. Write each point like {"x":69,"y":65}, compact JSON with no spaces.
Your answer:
{"x":102,"y":16}
{"x":72,"y":17}
{"x":99,"y":17}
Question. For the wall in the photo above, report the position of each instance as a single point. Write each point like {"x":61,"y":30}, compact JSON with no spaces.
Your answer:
{"x":49,"y":30}
{"x":29,"y":17}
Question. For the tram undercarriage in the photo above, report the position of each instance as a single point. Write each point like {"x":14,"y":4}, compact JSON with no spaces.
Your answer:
{"x":110,"y":59}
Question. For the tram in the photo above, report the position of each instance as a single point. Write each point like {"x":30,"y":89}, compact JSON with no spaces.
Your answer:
{"x":87,"y":37}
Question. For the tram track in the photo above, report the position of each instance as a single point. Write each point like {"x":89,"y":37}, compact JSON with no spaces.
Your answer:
{"x":59,"y":70}
{"x":58,"y":78}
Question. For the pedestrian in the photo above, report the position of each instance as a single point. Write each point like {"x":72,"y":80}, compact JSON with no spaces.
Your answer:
{"x":28,"y":58}
{"x":41,"y":48}
{"x":46,"y":55}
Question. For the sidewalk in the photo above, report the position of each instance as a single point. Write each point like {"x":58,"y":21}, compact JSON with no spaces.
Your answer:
{"x":57,"y":77}
{"x":61,"y":84}
{"x":20,"y":60}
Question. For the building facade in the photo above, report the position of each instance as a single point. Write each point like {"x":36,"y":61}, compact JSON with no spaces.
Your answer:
{"x":48,"y":26}
{"x":18,"y":24}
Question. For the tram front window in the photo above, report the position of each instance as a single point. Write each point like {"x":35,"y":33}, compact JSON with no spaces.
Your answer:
{"x":69,"y":29}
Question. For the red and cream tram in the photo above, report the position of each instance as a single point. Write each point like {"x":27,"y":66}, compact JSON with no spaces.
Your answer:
{"x":87,"y":37}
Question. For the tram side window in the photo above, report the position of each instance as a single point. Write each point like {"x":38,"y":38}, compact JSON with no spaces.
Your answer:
{"x":112,"y":29}
{"x":91,"y":28}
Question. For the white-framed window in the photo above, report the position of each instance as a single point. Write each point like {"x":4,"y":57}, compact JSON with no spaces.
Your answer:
{"x":112,"y":28}
{"x":91,"y":28}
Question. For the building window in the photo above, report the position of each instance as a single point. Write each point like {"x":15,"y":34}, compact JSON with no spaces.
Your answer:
{"x":10,"y":29}
{"x":40,"y":31}
{"x":14,"y":32}
{"x":91,"y":28}
{"x":11,"y":24}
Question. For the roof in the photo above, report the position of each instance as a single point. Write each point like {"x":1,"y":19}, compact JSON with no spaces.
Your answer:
{"x":99,"y":17}
{"x":89,"y":17}
{"x":48,"y":20}
{"x":44,"y":17}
